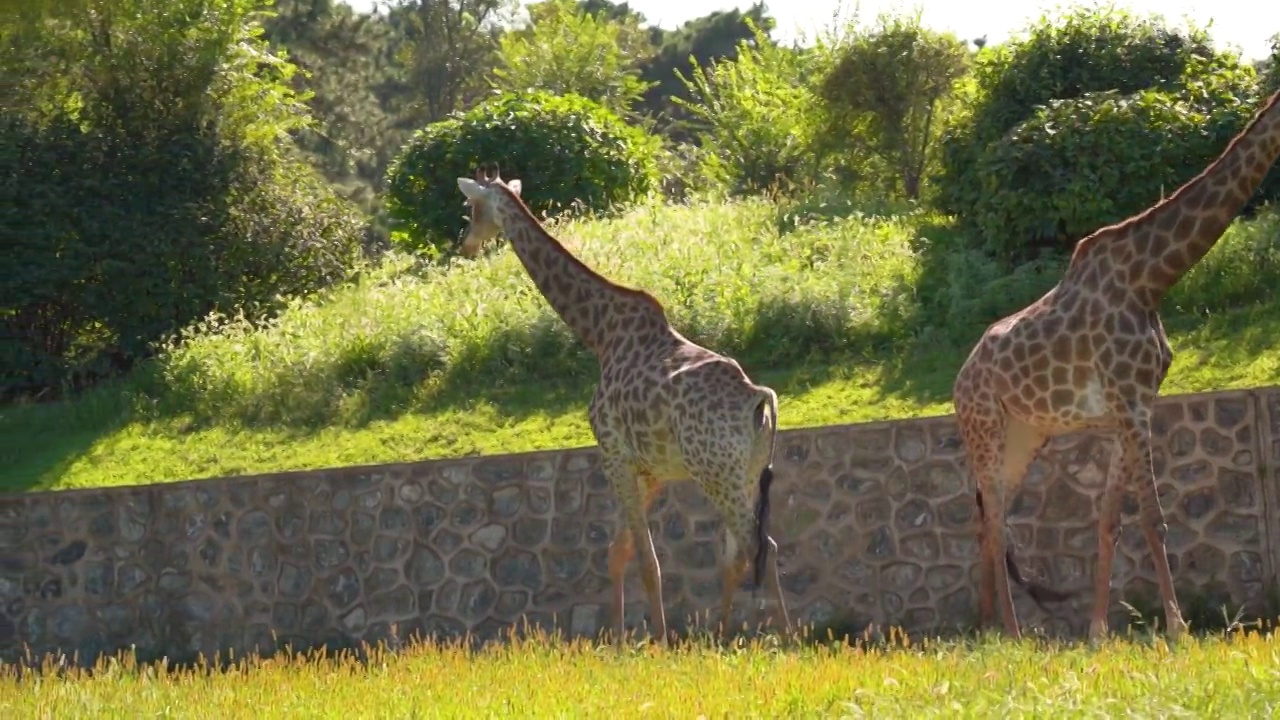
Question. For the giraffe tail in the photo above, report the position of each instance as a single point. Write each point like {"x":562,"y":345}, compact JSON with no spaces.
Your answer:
{"x":1038,"y":592}
{"x":762,"y":499}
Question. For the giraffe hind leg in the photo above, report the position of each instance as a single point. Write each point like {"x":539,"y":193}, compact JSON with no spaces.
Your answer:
{"x":1001,"y":449}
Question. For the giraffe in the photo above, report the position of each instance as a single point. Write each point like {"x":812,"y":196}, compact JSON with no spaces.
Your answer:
{"x":1091,"y":354}
{"x":665,"y":409}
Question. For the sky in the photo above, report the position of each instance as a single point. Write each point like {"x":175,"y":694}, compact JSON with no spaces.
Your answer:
{"x":1247,"y":26}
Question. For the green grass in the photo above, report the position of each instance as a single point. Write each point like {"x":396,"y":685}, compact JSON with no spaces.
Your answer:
{"x":850,"y":319}
{"x":1229,"y":676}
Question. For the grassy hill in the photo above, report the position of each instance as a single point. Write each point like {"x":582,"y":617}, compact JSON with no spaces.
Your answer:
{"x":850,"y":319}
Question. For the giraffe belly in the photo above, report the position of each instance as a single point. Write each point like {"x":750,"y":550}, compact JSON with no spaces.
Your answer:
{"x":658,"y":452}
{"x":1063,"y":411}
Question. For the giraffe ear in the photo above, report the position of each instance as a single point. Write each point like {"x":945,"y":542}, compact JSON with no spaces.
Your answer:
{"x":470,"y":188}
{"x":515,"y":186}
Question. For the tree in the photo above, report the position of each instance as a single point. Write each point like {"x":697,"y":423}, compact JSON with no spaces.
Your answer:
{"x":147,"y":179}
{"x":344,"y":57}
{"x":1269,"y":68}
{"x":753,"y":117}
{"x":898,"y":78}
{"x":445,"y":48}
{"x":568,"y":50}
{"x":698,"y":43}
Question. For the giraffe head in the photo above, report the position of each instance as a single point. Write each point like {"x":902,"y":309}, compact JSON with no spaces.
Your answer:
{"x":482,"y":194}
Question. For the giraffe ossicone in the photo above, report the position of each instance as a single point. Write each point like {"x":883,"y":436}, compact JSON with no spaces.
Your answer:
{"x":665,"y":409}
{"x":1091,"y":354}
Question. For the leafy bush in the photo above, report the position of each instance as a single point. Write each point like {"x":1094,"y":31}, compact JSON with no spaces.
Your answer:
{"x":567,"y":149}
{"x":898,"y":77}
{"x":143,"y":239}
{"x":754,"y":116}
{"x":1085,"y":121}
{"x":1079,"y":164}
{"x":143,"y":187}
{"x":1084,"y":51}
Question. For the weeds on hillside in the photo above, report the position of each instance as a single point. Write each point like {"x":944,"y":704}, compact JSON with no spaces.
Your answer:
{"x":849,"y":317}
{"x":1236,"y":675}
{"x":851,"y":286}
{"x":402,"y":335}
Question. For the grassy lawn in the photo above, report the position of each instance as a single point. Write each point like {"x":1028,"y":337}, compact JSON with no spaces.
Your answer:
{"x":853,"y":319}
{"x":1218,"y":676}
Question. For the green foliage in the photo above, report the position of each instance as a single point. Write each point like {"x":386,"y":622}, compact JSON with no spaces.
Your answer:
{"x":894,"y":81}
{"x":566,"y":51}
{"x":345,"y":58}
{"x":754,"y":116}
{"x":443,"y":51}
{"x":144,"y":184}
{"x":823,"y":291}
{"x":1070,"y":59}
{"x":1270,"y":69}
{"x":569,"y":150}
{"x":860,"y":319}
{"x":700,"y":42}
{"x":1079,"y":164}
{"x":763,"y":296}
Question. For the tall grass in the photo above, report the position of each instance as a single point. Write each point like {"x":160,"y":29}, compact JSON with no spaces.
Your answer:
{"x":845,"y":287}
{"x":727,"y":277}
{"x":1222,"y":677}
{"x":851,"y":317}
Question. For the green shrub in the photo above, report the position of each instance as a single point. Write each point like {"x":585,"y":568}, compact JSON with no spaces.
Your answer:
{"x":1271,"y":67}
{"x":1079,"y":164}
{"x":144,"y":183}
{"x":754,"y":117}
{"x":847,"y":289}
{"x":568,"y":149}
{"x":144,"y":238}
{"x":1085,"y":51}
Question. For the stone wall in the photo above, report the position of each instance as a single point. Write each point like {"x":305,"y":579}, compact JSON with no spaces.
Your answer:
{"x":875,"y":524}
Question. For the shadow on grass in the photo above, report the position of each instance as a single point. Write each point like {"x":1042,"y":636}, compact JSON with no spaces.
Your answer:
{"x":39,"y":442}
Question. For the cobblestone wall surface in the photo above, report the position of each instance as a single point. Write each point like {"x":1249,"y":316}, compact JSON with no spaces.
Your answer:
{"x":875,"y":524}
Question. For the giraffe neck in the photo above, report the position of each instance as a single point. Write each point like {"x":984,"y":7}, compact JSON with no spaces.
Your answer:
{"x":1163,"y":243}
{"x":586,"y":301}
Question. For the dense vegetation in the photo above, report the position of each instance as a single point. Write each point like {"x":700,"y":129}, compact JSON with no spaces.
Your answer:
{"x":203,"y":282}
{"x":580,"y":151}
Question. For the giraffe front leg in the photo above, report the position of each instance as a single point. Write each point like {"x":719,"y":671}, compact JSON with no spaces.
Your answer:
{"x":651,"y":577}
{"x":1137,"y":442}
{"x":1108,"y":537}
{"x":621,"y":551}
{"x":984,"y":440}
{"x":1001,"y":450}
{"x":634,"y":498}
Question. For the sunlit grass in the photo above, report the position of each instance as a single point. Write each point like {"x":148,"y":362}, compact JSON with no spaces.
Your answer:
{"x":1235,"y":675}
{"x":854,"y":319}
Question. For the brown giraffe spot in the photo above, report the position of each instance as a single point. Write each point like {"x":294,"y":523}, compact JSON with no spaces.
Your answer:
{"x":1060,"y":375}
